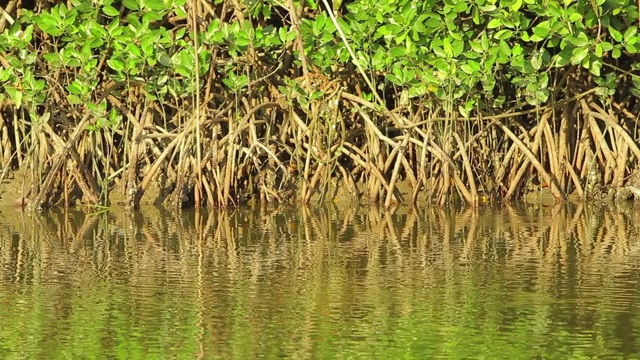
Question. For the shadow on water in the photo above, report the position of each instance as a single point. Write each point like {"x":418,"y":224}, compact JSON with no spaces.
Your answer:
{"x":321,"y":282}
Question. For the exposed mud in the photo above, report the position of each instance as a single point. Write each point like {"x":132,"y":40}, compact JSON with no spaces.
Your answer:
{"x":14,"y":192}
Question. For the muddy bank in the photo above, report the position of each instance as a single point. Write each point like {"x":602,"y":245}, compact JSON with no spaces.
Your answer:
{"x":14,"y":194}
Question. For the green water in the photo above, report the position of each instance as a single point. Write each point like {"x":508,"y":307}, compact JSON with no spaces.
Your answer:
{"x":508,"y":283}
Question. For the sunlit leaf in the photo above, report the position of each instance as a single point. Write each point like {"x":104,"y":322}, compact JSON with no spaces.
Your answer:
{"x":115,"y":64}
{"x":110,"y":11}
{"x":578,"y":55}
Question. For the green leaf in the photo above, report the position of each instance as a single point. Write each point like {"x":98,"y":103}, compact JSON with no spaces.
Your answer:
{"x":606,"y":46}
{"x":484,"y":41}
{"x":131,"y":4}
{"x":154,"y":5}
{"x":615,"y":34}
{"x":134,"y":50}
{"x":467,"y":69}
{"x":578,"y":55}
{"x":419,"y":27}
{"x":564,"y":57}
{"x":110,"y":11}
{"x":476,"y":15}
{"x":542,"y":95}
{"x":152,"y":16}
{"x":15,"y":95}
{"x":636,"y":83}
{"x":438,"y":51}
{"x":75,"y":88}
{"x":388,"y":30}
{"x":599,"y":50}
{"x":586,"y":62}
{"x":543,"y":81}
{"x":70,"y":18}
{"x":52,"y":58}
{"x":113,"y":26}
{"x":394,"y":79}
{"x":631,"y":32}
{"x":464,"y":112}
{"x":579,"y":41}
{"x":180,"y":32}
{"x":517,"y":50}
{"x":45,"y":20}
{"x":95,"y":42}
{"x":575,"y":17}
{"x":242,"y":39}
{"x":433,"y":23}
{"x":48,"y":24}
{"x":542,"y":30}
{"x":616,"y":52}
{"x":291,"y":35}
{"x":184,"y":71}
{"x":536,"y":61}
{"x":408,"y":75}
{"x":494,"y":23}
{"x":180,"y":11}
{"x":488,"y":8}
{"x":448,"y":49}
{"x":473,"y":66}
{"x":95,"y":29}
{"x":417,"y":90}
{"x":458,"y":47}
{"x":147,"y":45}
{"x":115,"y":64}
{"x":503,"y":34}
{"x":398,"y":52}
{"x":595,"y":67}
{"x":504,"y":48}
{"x":71,"y":57}
{"x":475,"y":46}
{"x":74,"y":99}
{"x":515,"y":6}
{"x":164,"y":59}
{"x":346,"y":28}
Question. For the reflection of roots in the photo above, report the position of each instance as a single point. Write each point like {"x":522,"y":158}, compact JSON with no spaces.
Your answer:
{"x":512,"y":256}
{"x":533,"y":245}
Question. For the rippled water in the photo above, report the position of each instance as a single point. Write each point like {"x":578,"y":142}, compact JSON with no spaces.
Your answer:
{"x":321,"y":283}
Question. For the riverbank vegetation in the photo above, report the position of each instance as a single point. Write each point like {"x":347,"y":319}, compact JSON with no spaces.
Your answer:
{"x":219,"y":103}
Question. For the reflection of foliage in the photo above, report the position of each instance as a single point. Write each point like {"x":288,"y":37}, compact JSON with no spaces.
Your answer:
{"x":322,"y":283}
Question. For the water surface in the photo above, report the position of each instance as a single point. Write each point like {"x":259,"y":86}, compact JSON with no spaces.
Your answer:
{"x":326,"y":282}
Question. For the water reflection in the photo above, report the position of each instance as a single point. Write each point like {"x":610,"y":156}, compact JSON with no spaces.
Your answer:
{"x":324,"y":282}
